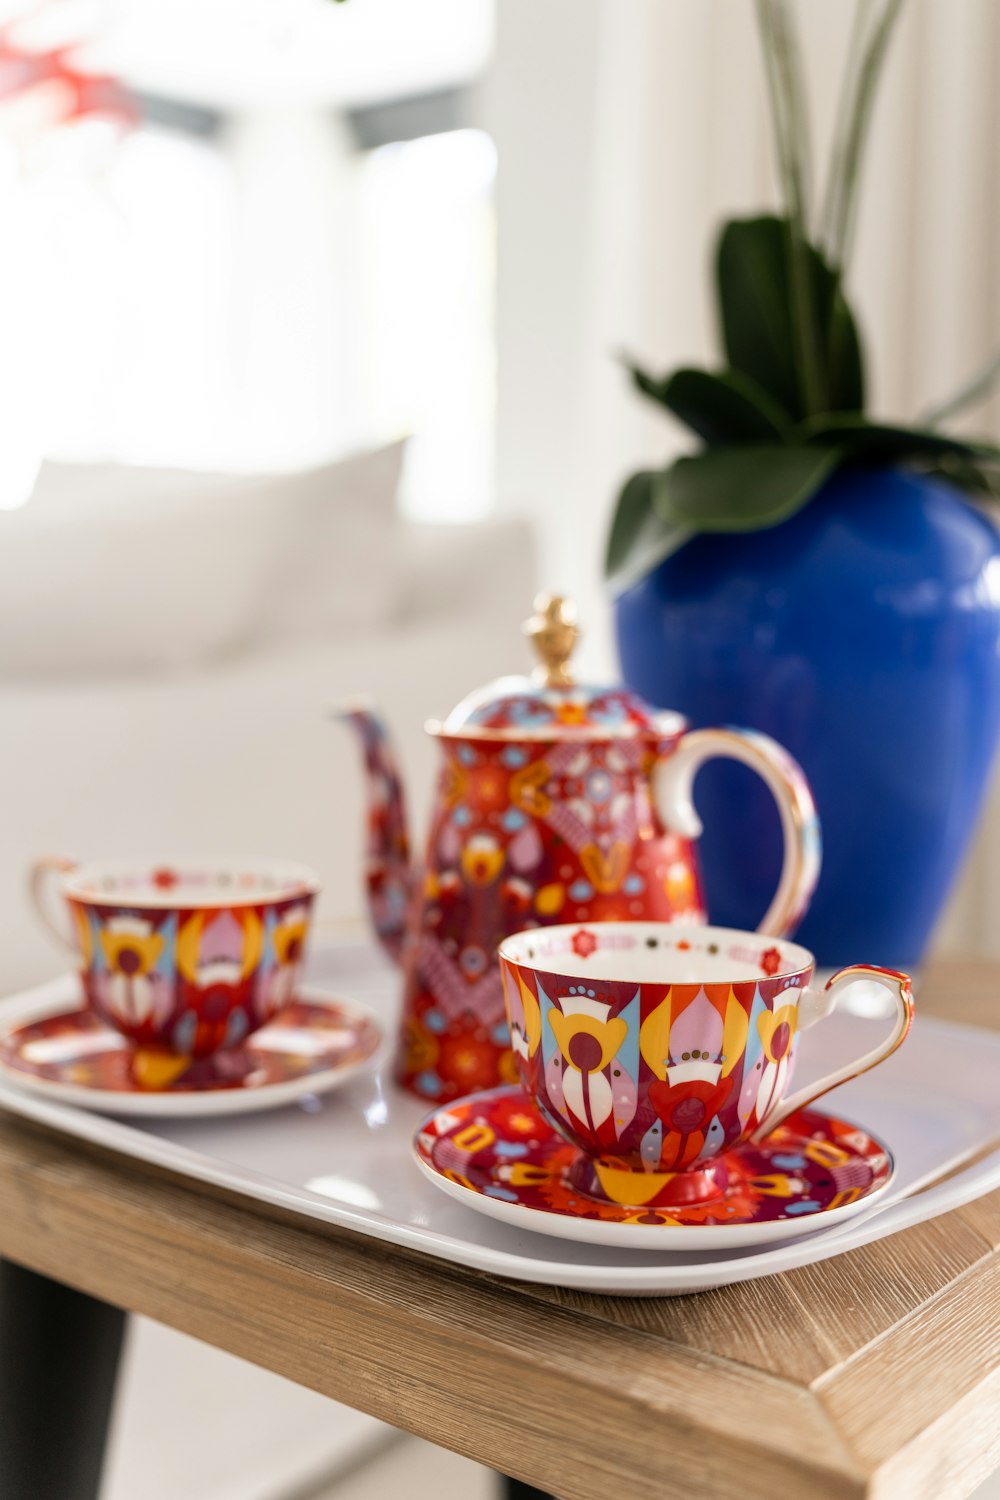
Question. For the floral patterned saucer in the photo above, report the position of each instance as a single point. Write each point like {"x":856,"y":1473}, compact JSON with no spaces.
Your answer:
{"x":495,"y":1153}
{"x":313,"y":1045}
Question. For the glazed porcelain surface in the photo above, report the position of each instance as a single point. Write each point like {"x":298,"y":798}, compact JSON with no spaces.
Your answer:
{"x":653,"y":1048}
{"x":182,"y":955}
{"x":495,"y":1153}
{"x":864,"y":635}
{"x":346,"y":1158}
{"x":312,"y":1045}
{"x":556,"y":802}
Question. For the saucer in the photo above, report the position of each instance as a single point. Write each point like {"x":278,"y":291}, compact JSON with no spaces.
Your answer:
{"x":495,"y":1153}
{"x":313,"y":1045}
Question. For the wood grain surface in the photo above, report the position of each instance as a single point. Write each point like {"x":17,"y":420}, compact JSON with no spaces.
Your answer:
{"x":877,"y":1373}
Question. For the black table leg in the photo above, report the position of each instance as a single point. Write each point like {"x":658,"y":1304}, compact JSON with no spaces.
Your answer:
{"x":58,"y":1361}
{"x":513,"y":1489}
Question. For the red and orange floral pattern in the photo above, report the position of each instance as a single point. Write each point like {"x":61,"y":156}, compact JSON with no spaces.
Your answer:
{"x":669,"y":1076}
{"x":302,"y":1040}
{"x":190,"y":981}
{"x":544,"y":814}
{"x":524,"y":834}
{"x":500,"y":1146}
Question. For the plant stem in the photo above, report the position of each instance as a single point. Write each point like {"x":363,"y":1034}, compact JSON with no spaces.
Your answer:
{"x":789,"y":58}
{"x":785,"y":96}
{"x":789,"y":120}
{"x":977,"y":389}
{"x":864,"y":11}
{"x":869,"y":43}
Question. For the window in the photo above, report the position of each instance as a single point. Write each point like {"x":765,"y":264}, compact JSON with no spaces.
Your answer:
{"x":252,"y":289}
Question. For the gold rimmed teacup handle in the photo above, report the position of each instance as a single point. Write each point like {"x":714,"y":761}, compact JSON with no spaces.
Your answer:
{"x":44,"y":883}
{"x":673,"y":793}
{"x":814,"y":1005}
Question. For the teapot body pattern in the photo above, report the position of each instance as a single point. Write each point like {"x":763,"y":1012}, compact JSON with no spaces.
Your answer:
{"x":524,"y":834}
{"x":556,"y":803}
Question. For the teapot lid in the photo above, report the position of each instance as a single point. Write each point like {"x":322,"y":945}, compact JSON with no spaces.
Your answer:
{"x":551,"y":704}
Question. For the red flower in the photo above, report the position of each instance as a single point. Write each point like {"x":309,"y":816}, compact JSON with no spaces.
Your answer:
{"x":770,"y":961}
{"x":687,"y":1110}
{"x":584,"y":943}
{"x":514,"y":1117}
{"x":469,"y":1062}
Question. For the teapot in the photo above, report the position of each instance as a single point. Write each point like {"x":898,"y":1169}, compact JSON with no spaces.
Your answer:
{"x":557,"y":802}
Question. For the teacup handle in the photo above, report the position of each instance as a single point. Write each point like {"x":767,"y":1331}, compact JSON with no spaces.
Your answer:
{"x":814,"y":1005}
{"x":673,"y":784}
{"x":47,"y":898}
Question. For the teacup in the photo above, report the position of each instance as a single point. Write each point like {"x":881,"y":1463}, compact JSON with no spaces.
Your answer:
{"x":185,"y":956}
{"x":655,"y":1049}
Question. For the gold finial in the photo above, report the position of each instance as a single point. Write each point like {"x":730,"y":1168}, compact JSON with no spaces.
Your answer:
{"x":554,"y":632}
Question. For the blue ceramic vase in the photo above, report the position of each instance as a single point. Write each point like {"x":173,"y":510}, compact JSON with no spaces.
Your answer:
{"x":864,"y":635}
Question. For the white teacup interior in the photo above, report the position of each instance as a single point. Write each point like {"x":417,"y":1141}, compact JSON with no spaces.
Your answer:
{"x":180,"y":881}
{"x":655,"y":952}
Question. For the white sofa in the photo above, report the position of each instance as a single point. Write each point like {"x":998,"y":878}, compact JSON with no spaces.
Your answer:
{"x":234,"y":750}
{"x":216,"y":735}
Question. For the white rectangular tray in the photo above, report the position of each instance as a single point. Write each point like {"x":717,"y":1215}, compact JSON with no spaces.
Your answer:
{"x":346,"y":1159}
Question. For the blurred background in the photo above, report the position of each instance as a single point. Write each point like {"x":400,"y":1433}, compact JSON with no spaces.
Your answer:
{"x":310,"y":320}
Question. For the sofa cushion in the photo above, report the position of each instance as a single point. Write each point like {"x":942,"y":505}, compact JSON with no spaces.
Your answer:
{"x":111,"y":569}
{"x":334,"y":550}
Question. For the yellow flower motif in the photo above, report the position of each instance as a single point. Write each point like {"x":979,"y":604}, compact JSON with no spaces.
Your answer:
{"x":549,"y":900}
{"x":586,"y":1043}
{"x":508,"y":1068}
{"x":526,"y":789}
{"x":83,"y":935}
{"x":532,"y":1018}
{"x":420,"y":1050}
{"x":454,"y":784}
{"x":571,"y":713}
{"x":131,"y":953}
{"x":654,"y":1038}
{"x":777,"y":1029}
{"x":190,"y":935}
{"x":606,"y":871}
{"x":630,"y":1188}
{"x":290,"y":936}
{"x":482,"y":859}
{"x":156,"y":1069}
{"x":734,"y":1037}
{"x":777,"y":1185}
{"x":527,"y":1174}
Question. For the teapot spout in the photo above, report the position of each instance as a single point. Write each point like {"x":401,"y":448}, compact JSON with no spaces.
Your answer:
{"x":388,"y":870}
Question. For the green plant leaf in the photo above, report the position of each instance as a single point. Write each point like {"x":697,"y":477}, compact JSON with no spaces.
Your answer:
{"x":887,"y":442}
{"x":869,"y":43}
{"x":753,"y":267}
{"x":845,"y":357}
{"x":727,"y":407}
{"x":754,"y":306}
{"x":640,"y":538}
{"x":979,"y":478}
{"x":742,"y":488}
{"x":779,"y":37}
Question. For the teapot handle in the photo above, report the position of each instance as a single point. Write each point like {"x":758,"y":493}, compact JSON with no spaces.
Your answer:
{"x":673,"y":782}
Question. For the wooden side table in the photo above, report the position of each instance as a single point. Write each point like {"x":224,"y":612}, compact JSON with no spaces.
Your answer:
{"x":873,"y":1374}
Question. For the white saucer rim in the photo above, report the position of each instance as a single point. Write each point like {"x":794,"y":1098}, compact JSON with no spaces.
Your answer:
{"x":199,"y":1103}
{"x":641,"y":1237}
